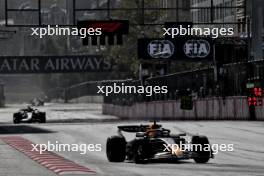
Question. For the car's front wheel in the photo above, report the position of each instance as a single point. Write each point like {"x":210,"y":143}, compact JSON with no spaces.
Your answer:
{"x":202,"y":148}
{"x":16,"y":118}
{"x":140,"y":152}
{"x":139,"y":155}
{"x":43,"y":118}
{"x":16,"y":121}
{"x":116,"y":149}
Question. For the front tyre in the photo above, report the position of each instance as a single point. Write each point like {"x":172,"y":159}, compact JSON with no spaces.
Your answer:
{"x":16,"y":119}
{"x":202,"y":148}
{"x":116,"y":149}
{"x":43,"y":117}
{"x":139,"y":156}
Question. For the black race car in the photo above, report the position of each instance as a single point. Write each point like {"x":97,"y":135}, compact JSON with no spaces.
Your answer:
{"x":156,"y":143}
{"x":29,"y":115}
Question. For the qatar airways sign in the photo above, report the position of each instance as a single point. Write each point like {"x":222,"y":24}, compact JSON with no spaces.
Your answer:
{"x":53,"y":64}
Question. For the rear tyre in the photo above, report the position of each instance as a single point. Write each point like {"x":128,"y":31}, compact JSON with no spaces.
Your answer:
{"x":204,"y":149}
{"x":116,"y":149}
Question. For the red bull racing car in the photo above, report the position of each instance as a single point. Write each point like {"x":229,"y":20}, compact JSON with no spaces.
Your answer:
{"x":152,"y":142}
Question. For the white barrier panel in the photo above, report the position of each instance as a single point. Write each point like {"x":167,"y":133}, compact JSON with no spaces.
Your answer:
{"x":209,"y":109}
{"x":230,"y":108}
{"x":201,"y":109}
{"x":216,"y":111}
{"x":159,"y":110}
{"x":140,"y":110}
{"x":260,"y":112}
{"x":151,"y":109}
{"x":227,"y":110}
{"x":242,"y":110}
{"x":178,"y":113}
{"x":168,"y":109}
{"x":87,"y":99}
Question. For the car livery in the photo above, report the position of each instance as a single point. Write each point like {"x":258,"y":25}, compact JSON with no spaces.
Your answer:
{"x":29,"y":115}
{"x":156,"y":143}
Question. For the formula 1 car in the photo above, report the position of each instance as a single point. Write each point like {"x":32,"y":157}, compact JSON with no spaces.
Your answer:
{"x":156,"y":143}
{"x":29,"y":115}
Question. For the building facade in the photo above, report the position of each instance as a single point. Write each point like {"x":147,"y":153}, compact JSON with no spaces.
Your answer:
{"x":224,"y":12}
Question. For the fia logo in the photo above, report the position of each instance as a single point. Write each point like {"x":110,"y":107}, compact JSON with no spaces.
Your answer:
{"x":196,"y":48}
{"x":160,"y":49}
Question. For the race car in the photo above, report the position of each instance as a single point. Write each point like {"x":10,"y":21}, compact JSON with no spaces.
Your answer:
{"x":29,"y":115}
{"x":153,"y":142}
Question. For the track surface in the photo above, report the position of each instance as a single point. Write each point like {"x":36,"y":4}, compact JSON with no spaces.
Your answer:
{"x":246,"y":159}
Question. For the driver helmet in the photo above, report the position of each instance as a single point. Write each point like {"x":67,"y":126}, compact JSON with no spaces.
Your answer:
{"x":152,"y":130}
{"x":29,"y":108}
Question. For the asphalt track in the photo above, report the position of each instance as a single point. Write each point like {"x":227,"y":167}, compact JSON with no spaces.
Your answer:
{"x":83,"y":124}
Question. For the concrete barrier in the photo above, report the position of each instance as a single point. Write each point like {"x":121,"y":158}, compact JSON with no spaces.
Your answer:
{"x":260,"y":112}
{"x":168,"y":109}
{"x":230,"y":108}
{"x":87,"y":99}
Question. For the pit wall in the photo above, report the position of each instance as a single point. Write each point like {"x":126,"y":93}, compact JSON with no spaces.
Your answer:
{"x":230,"y":108}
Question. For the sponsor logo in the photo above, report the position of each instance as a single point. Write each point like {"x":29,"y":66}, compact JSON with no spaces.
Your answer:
{"x":161,"y":49}
{"x":196,"y":48}
{"x":54,"y":64}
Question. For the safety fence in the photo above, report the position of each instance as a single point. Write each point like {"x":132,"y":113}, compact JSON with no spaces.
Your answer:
{"x":230,"y":108}
{"x":199,"y":83}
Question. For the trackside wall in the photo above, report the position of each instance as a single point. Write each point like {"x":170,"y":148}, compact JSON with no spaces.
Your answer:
{"x":230,"y":108}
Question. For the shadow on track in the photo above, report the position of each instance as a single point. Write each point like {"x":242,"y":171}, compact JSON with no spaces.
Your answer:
{"x":22,"y":129}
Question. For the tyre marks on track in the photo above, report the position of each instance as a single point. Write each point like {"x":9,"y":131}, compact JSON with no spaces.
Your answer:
{"x":50,"y":160}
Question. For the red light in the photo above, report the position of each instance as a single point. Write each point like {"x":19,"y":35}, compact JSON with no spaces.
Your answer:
{"x":260,"y":102}
{"x":252,"y":101}
{"x":258,"y":92}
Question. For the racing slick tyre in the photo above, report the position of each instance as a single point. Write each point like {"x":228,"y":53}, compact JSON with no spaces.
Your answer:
{"x":116,"y":149}
{"x":42,"y":117}
{"x":204,"y":153}
{"x":16,"y":119}
{"x":140,"y":153}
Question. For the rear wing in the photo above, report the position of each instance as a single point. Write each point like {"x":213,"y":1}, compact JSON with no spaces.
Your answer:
{"x":134,"y":128}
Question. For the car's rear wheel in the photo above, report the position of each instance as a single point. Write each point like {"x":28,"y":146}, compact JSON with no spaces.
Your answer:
{"x":116,"y":149}
{"x":202,"y":148}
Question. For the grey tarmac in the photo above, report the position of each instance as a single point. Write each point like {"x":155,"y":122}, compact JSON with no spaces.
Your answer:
{"x":246,"y":159}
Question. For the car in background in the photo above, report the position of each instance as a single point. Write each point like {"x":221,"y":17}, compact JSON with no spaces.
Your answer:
{"x":29,"y":115}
